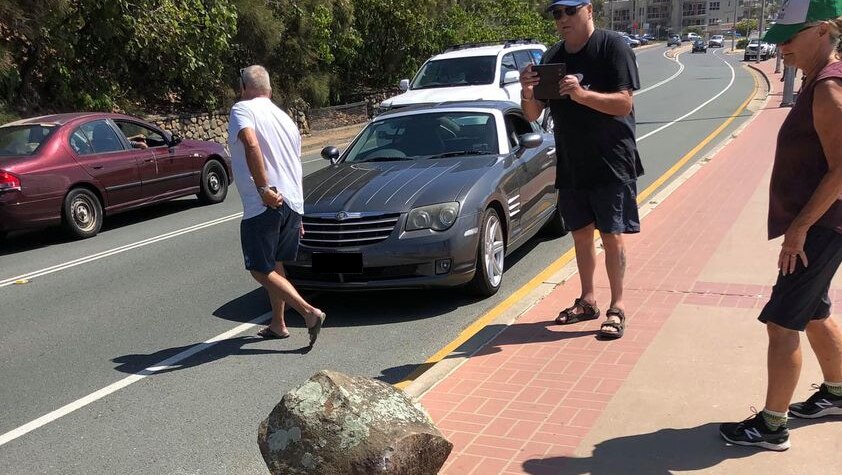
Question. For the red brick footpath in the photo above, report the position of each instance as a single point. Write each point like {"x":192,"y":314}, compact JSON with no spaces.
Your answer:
{"x":547,"y":399}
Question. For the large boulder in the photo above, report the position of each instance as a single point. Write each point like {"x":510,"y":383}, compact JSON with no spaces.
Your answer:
{"x":336,"y":424}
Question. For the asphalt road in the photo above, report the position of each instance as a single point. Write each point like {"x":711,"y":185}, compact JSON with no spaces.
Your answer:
{"x":171,"y":282}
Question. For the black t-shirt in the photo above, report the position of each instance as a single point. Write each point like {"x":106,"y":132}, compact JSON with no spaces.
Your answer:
{"x":595,"y":149}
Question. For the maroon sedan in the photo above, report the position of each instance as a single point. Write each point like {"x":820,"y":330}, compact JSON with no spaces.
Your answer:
{"x":73,"y":169}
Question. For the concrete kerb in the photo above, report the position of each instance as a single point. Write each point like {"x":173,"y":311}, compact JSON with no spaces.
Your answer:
{"x":440,"y":370}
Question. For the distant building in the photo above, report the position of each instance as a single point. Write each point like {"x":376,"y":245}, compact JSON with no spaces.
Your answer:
{"x":659,"y":17}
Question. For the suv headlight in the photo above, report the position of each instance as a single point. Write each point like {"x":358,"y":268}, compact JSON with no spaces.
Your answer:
{"x":438,"y":217}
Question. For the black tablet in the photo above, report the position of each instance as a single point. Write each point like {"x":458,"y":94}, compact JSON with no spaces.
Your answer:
{"x":550,"y":75}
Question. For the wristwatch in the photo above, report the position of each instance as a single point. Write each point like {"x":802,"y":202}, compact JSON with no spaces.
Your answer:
{"x":262,"y":189}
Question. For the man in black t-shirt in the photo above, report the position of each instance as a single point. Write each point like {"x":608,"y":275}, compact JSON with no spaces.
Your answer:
{"x":597,"y":161}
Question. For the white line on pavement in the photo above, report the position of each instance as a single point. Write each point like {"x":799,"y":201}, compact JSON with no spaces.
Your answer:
{"x":730,"y":83}
{"x":680,"y":70}
{"x":118,"y":250}
{"x":112,"y":388}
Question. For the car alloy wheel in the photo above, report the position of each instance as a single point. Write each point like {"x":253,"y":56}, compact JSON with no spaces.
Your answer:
{"x":494,"y":251}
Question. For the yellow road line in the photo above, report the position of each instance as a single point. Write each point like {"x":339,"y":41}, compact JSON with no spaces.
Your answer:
{"x":559,"y":263}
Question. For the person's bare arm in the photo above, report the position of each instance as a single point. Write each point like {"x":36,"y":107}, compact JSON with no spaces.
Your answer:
{"x":254,"y":160}
{"x":532,"y":107}
{"x":827,"y":115}
{"x":611,"y":103}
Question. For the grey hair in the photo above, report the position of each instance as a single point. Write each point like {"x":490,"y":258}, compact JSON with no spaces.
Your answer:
{"x":256,"y":78}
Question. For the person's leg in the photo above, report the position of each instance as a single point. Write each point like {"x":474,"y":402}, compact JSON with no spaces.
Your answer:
{"x":278,"y":324}
{"x":615,"y":266}
{"x":826,"y":341}
{"x":277,"y":284}
{"x":783,"y":366}
{"x":583,"y":242}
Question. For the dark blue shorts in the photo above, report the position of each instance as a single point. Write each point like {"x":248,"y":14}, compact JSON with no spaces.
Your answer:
{"x":802,"y":296}
{"x":611,"y":208}
{"x":270,"y":237}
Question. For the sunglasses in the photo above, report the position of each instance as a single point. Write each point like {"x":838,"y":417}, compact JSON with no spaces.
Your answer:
{"x":242,"y":81}
{"x":788,"y":41}
{"x":569,"y":11}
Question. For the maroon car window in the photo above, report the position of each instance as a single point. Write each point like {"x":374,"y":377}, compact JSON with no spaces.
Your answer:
{"x":140,"y":136}
{"x":23,"y":140}
{"x":101,"y":137}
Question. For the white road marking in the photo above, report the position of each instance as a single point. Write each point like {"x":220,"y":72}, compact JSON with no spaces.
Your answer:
{"x":680,"y":70}
{"x":730,"y":83}
{"x":118,"y":250}
{"x":127,"y":381}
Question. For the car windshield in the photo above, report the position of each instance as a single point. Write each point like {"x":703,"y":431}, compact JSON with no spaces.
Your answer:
{"x":426,"y":135}
{"x":456,"y":72}
{"x":23,"y":140}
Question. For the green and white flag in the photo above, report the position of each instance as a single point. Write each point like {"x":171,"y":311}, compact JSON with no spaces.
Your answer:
{"x":797,"y":14}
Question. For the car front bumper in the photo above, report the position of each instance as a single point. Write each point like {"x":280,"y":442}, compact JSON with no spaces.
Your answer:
{"x":404,"y":260}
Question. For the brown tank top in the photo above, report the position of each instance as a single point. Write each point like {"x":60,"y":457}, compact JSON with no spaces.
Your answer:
{"x":800,"y":164}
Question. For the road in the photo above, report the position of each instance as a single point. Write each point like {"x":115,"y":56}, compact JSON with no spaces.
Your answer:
{"x":93,"y":315}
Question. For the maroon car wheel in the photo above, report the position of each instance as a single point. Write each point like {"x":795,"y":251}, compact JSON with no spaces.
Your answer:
{"x":82,"y":213}
{"x":214,"y":186}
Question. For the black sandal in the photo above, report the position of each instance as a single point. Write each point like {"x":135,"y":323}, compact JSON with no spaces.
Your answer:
{"x":619,"y":327}
{"x":568,"y":315}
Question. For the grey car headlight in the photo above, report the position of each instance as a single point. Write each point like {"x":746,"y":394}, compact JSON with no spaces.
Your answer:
{"x":438,"y":217}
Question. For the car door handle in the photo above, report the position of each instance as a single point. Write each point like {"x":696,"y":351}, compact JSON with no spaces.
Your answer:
{"x":551,"y":151}
{"x":148,"y":160}
{"x":97,"y":167}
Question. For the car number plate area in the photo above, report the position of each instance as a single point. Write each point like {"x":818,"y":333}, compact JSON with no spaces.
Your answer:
{"x":338,"y":262}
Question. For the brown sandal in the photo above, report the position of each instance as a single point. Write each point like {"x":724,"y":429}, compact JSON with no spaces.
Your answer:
{"x":618,"y":327}
{"x":568,"y":315}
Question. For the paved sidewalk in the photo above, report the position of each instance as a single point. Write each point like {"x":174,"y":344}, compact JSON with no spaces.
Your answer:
{"x":547,"y":399}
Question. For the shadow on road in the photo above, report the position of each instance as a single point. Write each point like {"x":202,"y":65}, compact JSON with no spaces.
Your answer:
{"x":22,"y":241}
{"x":663,"y":452}
{"x":136,"y":363}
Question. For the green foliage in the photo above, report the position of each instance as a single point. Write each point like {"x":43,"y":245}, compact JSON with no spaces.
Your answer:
{"x":164,"y":55}
{"x":745,"y":27}
{"x":742,"y":43}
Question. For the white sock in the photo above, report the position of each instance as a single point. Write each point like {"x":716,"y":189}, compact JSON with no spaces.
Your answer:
{"x":834,"y":388}
{"x":774,"y":419}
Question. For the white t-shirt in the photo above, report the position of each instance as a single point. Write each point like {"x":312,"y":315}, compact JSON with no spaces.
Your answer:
{"x":280,"y":143}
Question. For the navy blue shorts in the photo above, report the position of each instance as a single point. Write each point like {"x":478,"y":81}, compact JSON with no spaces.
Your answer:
{"x":802,"y":296}
{"x":271,"y":236}
{"x":611,"y":208}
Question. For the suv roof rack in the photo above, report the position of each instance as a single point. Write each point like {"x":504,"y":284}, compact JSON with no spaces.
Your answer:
{"x":506,"y":43}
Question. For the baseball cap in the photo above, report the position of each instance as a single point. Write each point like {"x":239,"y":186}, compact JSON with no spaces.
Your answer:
{"x":796,"y":14}
{"x":569,"y":3}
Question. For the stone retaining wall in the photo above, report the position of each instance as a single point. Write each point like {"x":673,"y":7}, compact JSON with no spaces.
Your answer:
{"x":212,"y":126}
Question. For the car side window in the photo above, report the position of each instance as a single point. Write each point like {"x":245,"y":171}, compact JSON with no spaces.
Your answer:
{"x":515,"y":127}
{"x":80,"y":144}
{"x":523,"y":58}
{"x":507,"y":64}
{"x":140,"y":136}
{"x":100,"y":136}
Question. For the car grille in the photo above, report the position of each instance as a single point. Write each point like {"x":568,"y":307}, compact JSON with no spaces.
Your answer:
{"x":370,"y":274}
{"x":353,"y":232}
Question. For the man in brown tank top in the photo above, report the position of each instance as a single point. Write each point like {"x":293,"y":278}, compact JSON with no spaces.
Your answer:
{"x":805,"y":206}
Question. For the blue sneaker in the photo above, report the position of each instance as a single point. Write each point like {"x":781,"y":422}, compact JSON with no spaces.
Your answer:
{"x":822,"y":403}
{"x":755,"y":433}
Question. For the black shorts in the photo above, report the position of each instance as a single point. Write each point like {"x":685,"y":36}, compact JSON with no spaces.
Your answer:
{"x":270,"y":237}
{"x":802,"y":296}
{"x":611,"y":208}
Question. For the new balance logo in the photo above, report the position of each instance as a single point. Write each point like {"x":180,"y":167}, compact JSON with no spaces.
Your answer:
{"x":752,"y":433}
{"x":824,"y":404}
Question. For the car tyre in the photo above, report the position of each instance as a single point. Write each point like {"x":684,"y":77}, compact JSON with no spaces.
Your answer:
{"x":491,"y":253}
{"x":82,"y":213}
{"x":214,"y":187}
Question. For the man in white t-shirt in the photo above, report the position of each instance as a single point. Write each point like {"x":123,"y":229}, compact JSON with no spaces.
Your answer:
{"x":265,"y":151}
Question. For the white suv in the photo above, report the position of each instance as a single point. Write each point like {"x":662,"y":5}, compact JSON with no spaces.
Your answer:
{"x":489,"y":71}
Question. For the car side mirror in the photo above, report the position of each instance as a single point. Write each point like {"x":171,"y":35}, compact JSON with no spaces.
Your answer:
{"x":175,"y":140}
{"x":404,"y":85}
{"x":511,"y":77}
{"x":331,"y":153}
{"x":531,"y":140}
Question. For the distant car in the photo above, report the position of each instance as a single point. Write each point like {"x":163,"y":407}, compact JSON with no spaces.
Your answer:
{"x":428,"y":196}
{"x":674,"y":40}
{"x":757,"y":48}
{"x":630,"y":41}
{"x":75,"y":169}
{"x":649,"y":37}
{"x":716,"y":41}
{"x":641,"y":38}
{"x":699,"y":46}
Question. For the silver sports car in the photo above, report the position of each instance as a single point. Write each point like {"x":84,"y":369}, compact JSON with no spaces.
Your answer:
{"x":428,"y":196}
